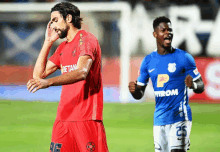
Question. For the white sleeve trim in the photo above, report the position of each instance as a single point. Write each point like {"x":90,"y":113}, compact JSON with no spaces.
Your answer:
{"x":197,"y":77}
{"x":141,"y":84}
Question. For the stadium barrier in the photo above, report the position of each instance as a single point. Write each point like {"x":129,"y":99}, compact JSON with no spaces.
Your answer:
{"x":13,"y":81}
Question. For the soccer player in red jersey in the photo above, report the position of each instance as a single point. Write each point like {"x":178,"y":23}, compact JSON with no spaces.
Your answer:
{"x":78,"y":126}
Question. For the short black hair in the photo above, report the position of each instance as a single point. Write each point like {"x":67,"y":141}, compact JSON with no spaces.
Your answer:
{"x":66,"y":8}
{"x":159,"y":20}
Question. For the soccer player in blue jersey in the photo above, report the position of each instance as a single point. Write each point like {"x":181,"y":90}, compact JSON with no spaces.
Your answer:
{"x":172,"y":72}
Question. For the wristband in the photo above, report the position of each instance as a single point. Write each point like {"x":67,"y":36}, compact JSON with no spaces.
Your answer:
{"x":195,"y":86}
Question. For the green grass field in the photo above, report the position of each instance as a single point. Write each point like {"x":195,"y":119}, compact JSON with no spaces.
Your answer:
{"x":27,"y":126}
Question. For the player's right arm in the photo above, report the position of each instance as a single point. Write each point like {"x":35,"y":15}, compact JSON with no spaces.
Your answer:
{"x":43,"y":68}
{"x":136,"y":91}
{"x":137,"y":88}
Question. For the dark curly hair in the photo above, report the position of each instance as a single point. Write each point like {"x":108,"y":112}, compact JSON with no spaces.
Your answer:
{"x":159,"y":20}
{"x":66,"y":8}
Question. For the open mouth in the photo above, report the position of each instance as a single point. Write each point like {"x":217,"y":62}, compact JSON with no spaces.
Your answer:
{"x":168,"y":39}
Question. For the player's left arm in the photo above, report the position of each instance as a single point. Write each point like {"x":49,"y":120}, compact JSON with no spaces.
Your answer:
{"x":197,"y":85}
{"x":83,"y":66}
{"x":193,"y":79}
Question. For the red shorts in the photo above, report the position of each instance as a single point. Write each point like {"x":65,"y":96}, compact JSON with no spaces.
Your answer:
{"x":80,"y":136}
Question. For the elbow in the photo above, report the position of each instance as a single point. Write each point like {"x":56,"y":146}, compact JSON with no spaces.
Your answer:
{"x":35,"y":76}
{"x":83,"y":77}
{"x":83,"y":74}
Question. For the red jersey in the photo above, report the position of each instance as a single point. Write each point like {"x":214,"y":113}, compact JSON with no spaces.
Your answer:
{"x":82,"y":100}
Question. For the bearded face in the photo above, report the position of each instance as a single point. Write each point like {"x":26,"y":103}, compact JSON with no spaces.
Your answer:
{"x":62,"y":32}
{"x":59,"y":24}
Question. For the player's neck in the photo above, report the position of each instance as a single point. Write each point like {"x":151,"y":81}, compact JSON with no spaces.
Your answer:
{"x":164,"y":51}
{"x":71,"y":34}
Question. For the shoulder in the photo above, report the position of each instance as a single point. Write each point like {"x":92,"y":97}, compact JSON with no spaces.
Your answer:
{"x":184,"y":55}
{"x":148,"y":58}
{"x":181,"y":53}
{"x":87,"y":35}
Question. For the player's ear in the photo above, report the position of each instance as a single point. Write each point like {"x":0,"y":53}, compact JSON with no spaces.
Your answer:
{"x":155,"y":34}
{"x":69,"y":18}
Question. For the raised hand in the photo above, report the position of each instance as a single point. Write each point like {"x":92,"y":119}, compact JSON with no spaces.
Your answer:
{"x":51,"y":35}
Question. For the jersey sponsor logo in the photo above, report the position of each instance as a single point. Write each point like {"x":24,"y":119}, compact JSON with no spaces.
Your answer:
{"x":90,"y":146}
{"x":68,"y":68}
{"x":172,"y":67}
{"x":173,"y":92}
{"x":161,"y":79}
{"x":151,"y":70}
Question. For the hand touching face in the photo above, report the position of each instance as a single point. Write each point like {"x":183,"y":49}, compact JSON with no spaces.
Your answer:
{"x":51,"y":34}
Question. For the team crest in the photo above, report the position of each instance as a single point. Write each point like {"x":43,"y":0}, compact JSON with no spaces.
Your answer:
{"x":74,"y":53}
{"x":90,"y":146}
{"x":172,"y":67}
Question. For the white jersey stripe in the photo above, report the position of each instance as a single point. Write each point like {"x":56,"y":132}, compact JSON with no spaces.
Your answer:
{"x":184,"y":104}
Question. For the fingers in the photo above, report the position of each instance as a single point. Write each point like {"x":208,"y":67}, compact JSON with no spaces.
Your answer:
{"x":33,"y":84}
{"x":132,"y":86}
{"x":30,"y":83}
{"x":188,"y":81}
{"x":49,"y":29}
{"x":49,"y":24}
{"x":37,"y":88}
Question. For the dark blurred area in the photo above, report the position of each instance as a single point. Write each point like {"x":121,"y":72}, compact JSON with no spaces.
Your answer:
{"x":208,"y":8}
{"x":29,"y":23}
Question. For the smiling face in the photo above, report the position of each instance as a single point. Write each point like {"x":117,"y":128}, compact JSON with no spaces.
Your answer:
{"x":59,"y":24}
{"x":163,"y":34}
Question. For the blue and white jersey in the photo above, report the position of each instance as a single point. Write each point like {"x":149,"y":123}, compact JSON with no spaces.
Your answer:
{"x":167,"y":73}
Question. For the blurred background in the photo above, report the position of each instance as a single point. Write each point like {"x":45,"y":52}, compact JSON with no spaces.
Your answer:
{"x":124,"y":30}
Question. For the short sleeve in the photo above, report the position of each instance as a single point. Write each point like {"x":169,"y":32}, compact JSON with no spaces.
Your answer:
{"x":143,"y":77}
{"x":191,"y":68}
{"x":88,"y":45}
{"x":55,"y":58}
